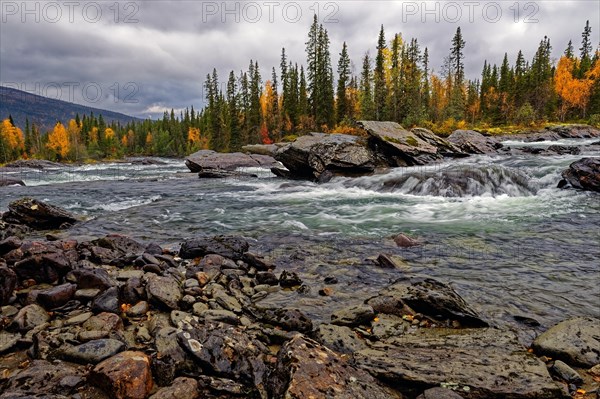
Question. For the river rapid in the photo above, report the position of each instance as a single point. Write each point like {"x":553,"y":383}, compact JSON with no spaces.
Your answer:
{"x":495,"y":227}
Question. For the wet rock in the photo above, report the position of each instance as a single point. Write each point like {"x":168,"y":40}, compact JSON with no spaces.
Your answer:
{"x":40,"y":379}
{"x":267,"y":278}
{"x":56,"y":296}
{"x":43,"y":267}
{"x":8,"y":341}
{"x":583,"y":174}
{"x":427,"y":296}
{"x":30,"y":317}
{"x":12,"y":230}
{"x":107,"y":301}
{"x":439,"y":393}
{"x":232,"y":247}
{"x":86,"y":294}
{"x":5,"y":182}
{"x":575,"y":341}
{"x":227,"y":351}
{"x":33,"y":164}
{"x":126,"y":375}
{"x":489,"y":362}
{"x":309,"y":156}
{"x":38,"y":215}
{"x":353,"y":316}
{"x":298,"y":374}
{"x":257,"y":261}
{"x":132,"y":291}
{"x":181,"y":388}
{"x":221,"y":316}
{"x":9,"y":243}
{"x":8,"y":283}
{"x":566,"y":373}
{"x":404,"y":241}
{"x":472,"y":142}
{"x":79,"y":319}
{"x":398,"y":146}
{"x":227,"y":302}
{"x":93,"y":278}
{"x":123,"y":245}
{"x":93,"y":351}
{"x":339,"y":338}
{"x":222,"y":174}
{"x":208,"y":160}
{"x":391,"y":262}
{"x":104,"y":322}
{"x":139,"y":309}
{"x":285,"y":318}
{"x":289,"y":279}
{"x":164,"y":292}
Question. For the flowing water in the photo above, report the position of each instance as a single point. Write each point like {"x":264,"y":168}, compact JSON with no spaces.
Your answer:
{"x":496,"y":228}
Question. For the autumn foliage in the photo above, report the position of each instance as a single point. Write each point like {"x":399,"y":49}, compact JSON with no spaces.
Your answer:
{"x":58,"y":141}
{"x":12,"y":144}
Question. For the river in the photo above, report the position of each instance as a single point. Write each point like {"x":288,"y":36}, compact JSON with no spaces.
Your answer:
{"x":496,"y":228}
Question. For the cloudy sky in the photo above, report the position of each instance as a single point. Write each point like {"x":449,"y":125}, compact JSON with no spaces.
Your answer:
{"x":142,"y":57}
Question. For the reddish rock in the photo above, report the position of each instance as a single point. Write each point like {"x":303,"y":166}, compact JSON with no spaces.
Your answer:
{"x":56,"y":296}
{"x":104,"y":322}
{"x":182,"y":388}
{"x":8,"y":282}
{"x":126,"y":375}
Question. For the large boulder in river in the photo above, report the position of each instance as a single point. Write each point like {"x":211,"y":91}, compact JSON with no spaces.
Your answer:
{"x":232,"y":247}
{"x":583,"y":174}
{"x":10,"y":182}
{"x":38,"y":215}
{"x":478,"y":363}
{"x":310,"y":156}
{"x":473,"y":142}
{"x":207,"y":160}
{"x":401,"y":147}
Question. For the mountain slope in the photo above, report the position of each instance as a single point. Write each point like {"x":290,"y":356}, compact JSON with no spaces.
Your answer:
{"x":45,"y":112}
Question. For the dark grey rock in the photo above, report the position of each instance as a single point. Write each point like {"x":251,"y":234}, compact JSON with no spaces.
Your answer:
{"x":30,"y":317}
{"x":583,"y":174}
{"x":289,"y":279}
{"x":340,"y":339}
{"x":8,"y":283}
{"x":566,"y":373}
{"x":56,"y":296}
{"x":353,"y":316}
{"x":232,"y":247}
{"x":164,"y":292}
{"x":5,"y":181}
{"x":211,"y":160}
{"x":93,"y":351}
{"x":439,"y":393}
{"x":472,"y":142}
{"x":575,"y":341}
{"x":107,"y":301}
{"x":38,"y":215}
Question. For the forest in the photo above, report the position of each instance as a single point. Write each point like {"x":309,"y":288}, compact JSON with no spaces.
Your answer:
{"x":397,"y":84}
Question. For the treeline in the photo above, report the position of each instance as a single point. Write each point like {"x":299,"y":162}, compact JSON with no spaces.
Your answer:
{"x":397,"y":84}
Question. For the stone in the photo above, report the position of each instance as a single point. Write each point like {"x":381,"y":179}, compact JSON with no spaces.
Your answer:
{"x":232,"y":247}
{"x":439,"y":393}
{"x":306,"y":369}
{"x":404,"y":241}
{"x":93,"y":278}
{"x":107,"y":301}
{"x":575,"y":341}
{"x":208,"y":160}
{"x":181,"y":388}
{"x":56,"y":296}
{"x":79,"y":319}
{"x":93,"y":351}
{"x":472,"y":142}
{"x":121,"y":244}
{"x":340,"y":339}
{"x":104,"y":322}
{"x":139,"y":309}
{"x":8,"y":283}
{"x":289,"y":279}
{"x":583,"y":174}
{"x":566,"y":373}
{"x":226,"y":351}
{"x":288,"y":319}
{"x":38,"y":215}
{"x":30,"y":317}
{"x":491,"y":363}
{"x":164,"y":292}
{"x":40,"y":379}
{"x":8,"y":341}
{"x":199,"y":308}
{"x":426,"y":296}
{"x":5,"y":182}
{"x":311,"y":155}
{"x":353,"y":316}
{"x":126,"y":375}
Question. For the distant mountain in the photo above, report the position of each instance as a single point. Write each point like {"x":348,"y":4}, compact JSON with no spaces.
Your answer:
{"x":45,"y":112}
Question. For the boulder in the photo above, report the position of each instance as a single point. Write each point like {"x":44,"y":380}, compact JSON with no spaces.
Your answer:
{"x":33,"y":164}
{"x":126,"y":375}
{"x":226,"y":351}
{"x":38,"y":215}
{"x":479,"y":363}
{"x":164,"y":292}
{"x":56,"y":296}
{"x":575,"y":341}
{"x":181,"y":388}
{"x":583,"y":174}
{"x":5,"y":181}
{"x":232,"y":247}
{"x":353,"y":316}
{"x":472,"y":142}
{"x":427,"y":296}
{"x":309,"y":156}
{"x":208,"y":160}
{"x":401,"y":147}
{"x":306,"y":369}
{"x":30,"y":317}
{"x":41,"y":379}
{"x":93,"y":351}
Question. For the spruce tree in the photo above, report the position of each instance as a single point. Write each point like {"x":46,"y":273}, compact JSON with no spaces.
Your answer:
{"x":586,"y":50}
{"x":380,"y":89}
{"x":343,"y":110}
{"x":235,"y":137}
{"x":367,"y":105}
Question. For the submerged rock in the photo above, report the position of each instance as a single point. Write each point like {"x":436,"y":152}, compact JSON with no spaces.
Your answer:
{"x":306,"y":369}
{"x":576,"y":341}
{"x":479,"y":363}
{"x":4,"y":182}
{"x":583,"y":174}
{"x":38,"y":215}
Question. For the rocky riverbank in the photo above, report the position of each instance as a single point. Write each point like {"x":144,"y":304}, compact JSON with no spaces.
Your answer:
{"x":115,"y":318}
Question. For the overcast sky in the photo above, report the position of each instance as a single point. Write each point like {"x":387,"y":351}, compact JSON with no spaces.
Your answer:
{"x":142,"y":57}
